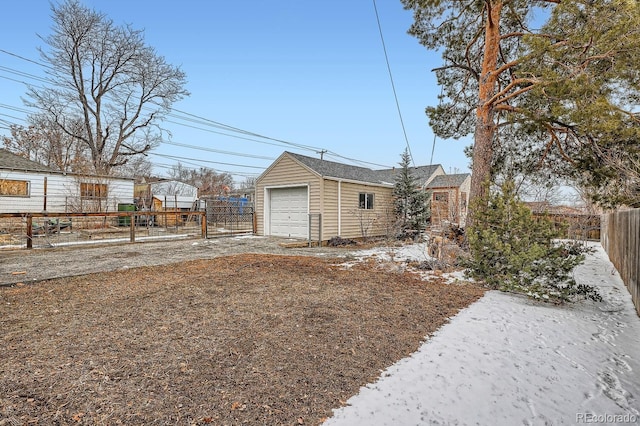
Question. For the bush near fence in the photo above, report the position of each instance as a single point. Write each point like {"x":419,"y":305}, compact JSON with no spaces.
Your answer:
{"x":621,"y":240}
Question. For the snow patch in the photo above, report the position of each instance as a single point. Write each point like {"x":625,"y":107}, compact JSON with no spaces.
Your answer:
{"x":508,"y":360}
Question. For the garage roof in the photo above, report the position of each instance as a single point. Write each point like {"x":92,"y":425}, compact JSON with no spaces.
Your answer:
{"x":331,"y":169}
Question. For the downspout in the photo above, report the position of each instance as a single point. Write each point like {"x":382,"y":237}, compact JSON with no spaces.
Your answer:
{"x":44,"y":207}
{"x":339,"y":208}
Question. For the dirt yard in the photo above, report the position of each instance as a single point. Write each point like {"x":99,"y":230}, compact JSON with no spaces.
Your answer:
{"x":241,"y":339}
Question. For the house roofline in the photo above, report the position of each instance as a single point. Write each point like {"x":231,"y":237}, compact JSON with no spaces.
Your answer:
{"x":58,"y":172}
{"x":358,"y":182}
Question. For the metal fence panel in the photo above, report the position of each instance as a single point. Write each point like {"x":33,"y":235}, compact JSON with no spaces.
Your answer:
{"x":229,"y":218}
{"x":38,"y":230}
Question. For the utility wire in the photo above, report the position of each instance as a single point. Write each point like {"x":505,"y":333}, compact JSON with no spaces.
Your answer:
{"x":27,"y":59}
{"x":433,"y":147}
{"x":193,"y":118}
{"x":217,"y":151}
{"x":175,"y":157}
{"x":393,"y":86}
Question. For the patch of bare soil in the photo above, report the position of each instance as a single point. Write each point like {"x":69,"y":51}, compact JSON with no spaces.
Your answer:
{"x":245,"y":339}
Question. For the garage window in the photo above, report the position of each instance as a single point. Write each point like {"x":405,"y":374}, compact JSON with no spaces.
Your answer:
{"x":366,"y":201}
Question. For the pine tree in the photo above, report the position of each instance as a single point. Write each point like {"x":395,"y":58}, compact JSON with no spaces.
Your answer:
{"x":513,"y":251}
{"x":410,"y":201}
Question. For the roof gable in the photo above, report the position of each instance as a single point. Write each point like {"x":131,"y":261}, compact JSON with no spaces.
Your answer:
{"x":448,"y":181}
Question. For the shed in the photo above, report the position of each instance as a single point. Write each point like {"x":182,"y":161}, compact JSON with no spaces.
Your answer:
{"x":449,"y":198}
{"x":166,"y":194}
{"x":305,"y":197}
{"x":30,"y":187}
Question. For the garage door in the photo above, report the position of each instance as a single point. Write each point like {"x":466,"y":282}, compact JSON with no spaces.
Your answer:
{"x":288,"y":212}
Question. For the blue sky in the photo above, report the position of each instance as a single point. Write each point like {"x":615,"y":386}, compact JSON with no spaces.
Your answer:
{"x":308,"y":73}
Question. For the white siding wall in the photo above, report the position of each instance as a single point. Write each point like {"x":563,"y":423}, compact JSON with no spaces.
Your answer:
{"x":62,"y":191}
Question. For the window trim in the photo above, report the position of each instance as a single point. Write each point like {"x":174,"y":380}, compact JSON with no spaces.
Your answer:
{"x":443,"y":194}
{"x":27,"y":184}
{"x":366,"y":200}
{"x":88,"y":191}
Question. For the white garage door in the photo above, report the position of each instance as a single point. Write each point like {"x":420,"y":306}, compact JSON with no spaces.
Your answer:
{"x":288,"y":212}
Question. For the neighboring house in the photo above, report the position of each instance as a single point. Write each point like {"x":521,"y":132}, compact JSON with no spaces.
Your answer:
{"x":166,"y":195}
{"x":298,"y":195}
{"x":449,"y":198}
{"x":30,"y":187}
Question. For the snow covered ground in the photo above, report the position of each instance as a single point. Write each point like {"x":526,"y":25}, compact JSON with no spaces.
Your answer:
{"x":507,"y":360}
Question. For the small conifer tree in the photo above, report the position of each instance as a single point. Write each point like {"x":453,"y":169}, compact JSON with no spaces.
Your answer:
{"x":513,"y":251}
{"x":410,"y":201}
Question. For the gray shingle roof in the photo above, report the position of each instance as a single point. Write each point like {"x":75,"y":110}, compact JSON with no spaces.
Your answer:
{"x":448,"y":181}
{"x":11,"y":161}
{"x":332,"y":169}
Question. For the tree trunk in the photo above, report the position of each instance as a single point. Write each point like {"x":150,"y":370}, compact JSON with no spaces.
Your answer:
{"x":485,"y":113}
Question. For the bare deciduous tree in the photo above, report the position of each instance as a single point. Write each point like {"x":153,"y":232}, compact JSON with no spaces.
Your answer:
{"x":105,"y":77}
{"x":206,"y":180}
{"x":45,"y":143}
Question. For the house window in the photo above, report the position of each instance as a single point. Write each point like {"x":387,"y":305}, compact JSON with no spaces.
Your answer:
{"x":441,"y":196}
{"x":14,"y":188}
{"x":365,"y":201}
{"x":93,"y":191}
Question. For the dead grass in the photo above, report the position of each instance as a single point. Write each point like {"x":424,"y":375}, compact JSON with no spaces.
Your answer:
{"x":245,"y":339}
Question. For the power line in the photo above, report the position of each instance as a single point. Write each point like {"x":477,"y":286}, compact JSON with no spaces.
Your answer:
{"x":217,"y":151}
{"x":22,"y":74}
{"x":224,"y":134}
{"x":193,"y":118}
{"x":17,"y":109}
{"x":172,"y":166}
{"x":175,"y":157}
{"x":393,"y":86}
{"x":42,"y":64}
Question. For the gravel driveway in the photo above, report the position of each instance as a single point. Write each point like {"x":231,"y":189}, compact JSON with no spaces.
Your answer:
{"x":25,"y":266}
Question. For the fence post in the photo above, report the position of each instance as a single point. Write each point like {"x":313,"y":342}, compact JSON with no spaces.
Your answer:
{"x":132,"y":227}
{"x":203,"y":224}
{"x":254,"y":219}
{"x":29,"y":232}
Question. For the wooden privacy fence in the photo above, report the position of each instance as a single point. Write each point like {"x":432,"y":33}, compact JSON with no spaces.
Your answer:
{"x":574,"y":226}
{"x":621,"y":240}
{"x":52,"y":229}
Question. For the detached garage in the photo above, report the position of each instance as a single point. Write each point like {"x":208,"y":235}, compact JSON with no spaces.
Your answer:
{"x":297,"y":194}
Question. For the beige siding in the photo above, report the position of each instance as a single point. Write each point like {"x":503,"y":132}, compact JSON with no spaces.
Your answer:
{"x":286,"y":172}
{"x":330,"y":210}
{"x":465,"y":188}
{"x":337,"y":201}
{"x":355,"y":221}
